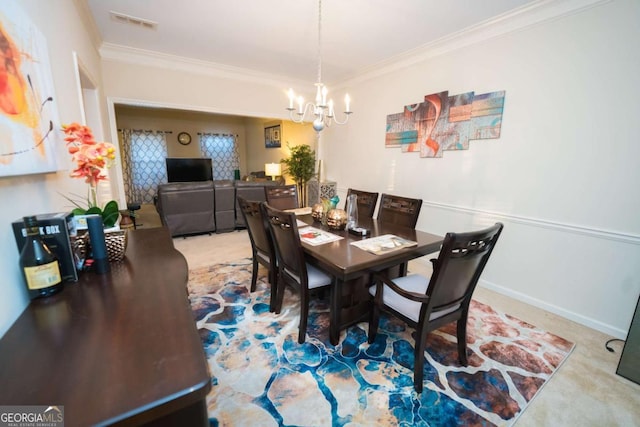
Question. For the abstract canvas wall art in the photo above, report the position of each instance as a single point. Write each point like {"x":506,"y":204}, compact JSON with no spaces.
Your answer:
{"x":28,"y":114}
{"x":442,"y":122}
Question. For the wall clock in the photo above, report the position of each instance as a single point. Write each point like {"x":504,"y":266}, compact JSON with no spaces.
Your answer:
{"x":184,"y":138}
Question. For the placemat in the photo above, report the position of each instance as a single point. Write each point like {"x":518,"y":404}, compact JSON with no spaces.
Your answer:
{"x":315,"y":236}
{"x":384,"y":244}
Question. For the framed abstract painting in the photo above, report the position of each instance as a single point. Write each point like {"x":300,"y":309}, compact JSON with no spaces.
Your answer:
{"x":28,"y":114}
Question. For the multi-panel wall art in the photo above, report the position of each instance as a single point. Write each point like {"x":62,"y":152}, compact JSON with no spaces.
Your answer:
{"x":444,"y":122}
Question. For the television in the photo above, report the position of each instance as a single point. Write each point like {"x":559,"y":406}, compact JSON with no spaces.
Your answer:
{"x":189,"y":169}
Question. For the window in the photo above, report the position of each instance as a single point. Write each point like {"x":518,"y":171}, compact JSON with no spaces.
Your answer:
{"x":223,"y":150}
{"x":144,"y":167}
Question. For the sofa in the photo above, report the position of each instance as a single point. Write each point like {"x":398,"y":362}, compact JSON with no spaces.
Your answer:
{"x":188,"y":208}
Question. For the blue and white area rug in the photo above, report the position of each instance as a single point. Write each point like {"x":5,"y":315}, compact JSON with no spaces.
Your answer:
{"x":261,"y":376}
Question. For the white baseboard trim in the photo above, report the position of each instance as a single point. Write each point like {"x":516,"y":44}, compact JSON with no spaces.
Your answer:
{"x":582,"y":320}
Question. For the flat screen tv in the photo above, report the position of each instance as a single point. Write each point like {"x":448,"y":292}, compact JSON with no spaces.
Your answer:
{"x":189,"y":169}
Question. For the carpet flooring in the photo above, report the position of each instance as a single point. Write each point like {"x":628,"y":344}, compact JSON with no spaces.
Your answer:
{"x":261,"y":376}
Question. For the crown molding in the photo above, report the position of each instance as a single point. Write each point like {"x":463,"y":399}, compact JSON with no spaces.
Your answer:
{"x":131,"y":55}
{"x":89,"y":23}
{"x":526,"y":16}
{"x":529,"y":15}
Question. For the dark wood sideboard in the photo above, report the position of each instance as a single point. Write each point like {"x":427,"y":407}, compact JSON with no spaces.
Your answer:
{"x":119,"y":348}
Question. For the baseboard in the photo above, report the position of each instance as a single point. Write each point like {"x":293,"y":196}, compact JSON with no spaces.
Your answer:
{"x":582,"y":320}
{"x":518,"y":296}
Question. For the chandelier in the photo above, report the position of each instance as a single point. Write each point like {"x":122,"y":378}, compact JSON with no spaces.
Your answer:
{"x":322,"y":109}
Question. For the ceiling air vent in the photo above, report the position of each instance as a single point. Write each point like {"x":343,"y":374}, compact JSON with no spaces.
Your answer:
{"x":127,"y":19}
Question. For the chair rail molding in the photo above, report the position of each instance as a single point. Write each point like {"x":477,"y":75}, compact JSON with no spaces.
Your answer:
{"x":617,"y":236}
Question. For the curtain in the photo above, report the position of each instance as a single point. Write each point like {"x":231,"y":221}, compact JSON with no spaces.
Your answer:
{"x":143,"y":163}
{"x":223,"y":150}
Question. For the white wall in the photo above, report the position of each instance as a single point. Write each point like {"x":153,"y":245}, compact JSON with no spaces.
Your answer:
{"x":61,"y":25}
{"x":562,"y":176}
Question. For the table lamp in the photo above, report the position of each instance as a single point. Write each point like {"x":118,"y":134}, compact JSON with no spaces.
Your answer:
{"x":273,"y":170}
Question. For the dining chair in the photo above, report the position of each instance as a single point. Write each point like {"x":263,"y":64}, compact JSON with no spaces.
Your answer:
{"x":402,"y":211}
{"x":366,"y":202}
{"x":399,"y":210}
{"x":282,"y":196}
{"x":293,"y":270}
{"x":261,"y":243}
{"x":427,"y":304}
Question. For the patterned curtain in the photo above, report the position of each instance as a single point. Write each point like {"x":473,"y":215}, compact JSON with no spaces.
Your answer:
{"x":223,"y":150}
{"x":144,"y":166}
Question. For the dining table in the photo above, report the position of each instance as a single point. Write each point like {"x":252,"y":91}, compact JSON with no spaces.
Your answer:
{"x":351,"y":266}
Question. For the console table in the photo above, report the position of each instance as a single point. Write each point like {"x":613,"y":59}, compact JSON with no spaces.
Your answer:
{"x":119,"y":348}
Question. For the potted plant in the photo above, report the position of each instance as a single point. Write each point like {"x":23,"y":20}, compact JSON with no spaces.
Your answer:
{"x":91,"y":158}
{"x":300,"y":165}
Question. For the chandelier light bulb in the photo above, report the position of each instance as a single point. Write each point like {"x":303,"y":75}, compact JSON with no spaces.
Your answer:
{"x":292,"y":97}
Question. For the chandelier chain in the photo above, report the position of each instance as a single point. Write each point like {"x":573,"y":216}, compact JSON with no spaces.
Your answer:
{"x":319,"y":41}
{"x":322,"y":109}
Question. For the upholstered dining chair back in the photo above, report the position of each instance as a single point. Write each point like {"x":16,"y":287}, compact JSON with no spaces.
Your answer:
{"x":426,"y":303}
{"x":293,"y":270}
{"x":282,"y":196}
{"x":399,"y":210}
{"x":460,"y":263}
{"x":366,"y":202}
{"x":403,"y":211}
{"x":261,"y":242}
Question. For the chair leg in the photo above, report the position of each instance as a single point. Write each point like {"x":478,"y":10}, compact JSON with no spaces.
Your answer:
{"x":418,"y":364}
{"x":254,"y":274}
{"x":278,"y":294}
{"x":273,"y":283}
{"x":374,"y":319}
{"x":304,"y":313}
{"x":462,"y":340}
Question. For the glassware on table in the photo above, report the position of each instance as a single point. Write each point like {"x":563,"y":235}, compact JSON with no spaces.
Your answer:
{"x":352,"y":211}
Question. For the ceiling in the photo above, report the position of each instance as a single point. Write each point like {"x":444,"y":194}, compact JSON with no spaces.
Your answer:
{"x":280,"y":37}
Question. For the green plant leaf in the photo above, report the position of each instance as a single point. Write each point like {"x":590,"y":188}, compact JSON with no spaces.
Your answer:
{"x":110,"y":214}
{"x":76,"y":202}
{"x":93,"y":211}
{"x":301,"y":164}
{"x":79,"y":211}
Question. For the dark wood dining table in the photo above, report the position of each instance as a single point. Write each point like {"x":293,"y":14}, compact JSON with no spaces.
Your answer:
{"x":351,"y":267}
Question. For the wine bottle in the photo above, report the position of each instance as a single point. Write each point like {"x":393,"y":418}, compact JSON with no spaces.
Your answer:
{"x":39,"y":265}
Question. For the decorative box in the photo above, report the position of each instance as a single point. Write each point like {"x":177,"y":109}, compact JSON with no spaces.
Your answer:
{"x":56,"y":229}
